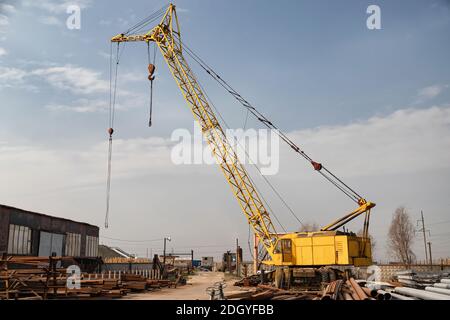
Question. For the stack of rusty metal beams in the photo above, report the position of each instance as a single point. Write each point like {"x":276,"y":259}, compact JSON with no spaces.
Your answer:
{"x":42,"y":278}
{"x":265,"y":292}
{"x":250,"y":281}
{"x":348,"y":290}
{"x":30,"y":277}
{"x":135,"y":282}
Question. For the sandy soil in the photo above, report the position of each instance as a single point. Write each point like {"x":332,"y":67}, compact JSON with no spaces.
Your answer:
{"x":194,"y":290}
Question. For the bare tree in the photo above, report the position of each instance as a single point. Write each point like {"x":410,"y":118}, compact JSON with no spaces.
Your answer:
{"x":401,"y":237}
{"x":309,"y":227}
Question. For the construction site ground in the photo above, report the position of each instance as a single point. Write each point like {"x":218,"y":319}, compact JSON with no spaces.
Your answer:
{"x":195,"y":289}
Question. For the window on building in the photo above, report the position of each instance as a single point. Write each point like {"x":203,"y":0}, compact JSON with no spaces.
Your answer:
{"x":91,"y":246}
{"x":19,"y":241}
{"x":73,"y":244}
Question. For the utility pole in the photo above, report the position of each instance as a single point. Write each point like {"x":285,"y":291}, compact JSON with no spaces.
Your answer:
{"x":164,"y":254}
{"x":422,"y":220}
{"x":431,"y":257}
{"x":237,"y":257}
{"x":255,"y":255}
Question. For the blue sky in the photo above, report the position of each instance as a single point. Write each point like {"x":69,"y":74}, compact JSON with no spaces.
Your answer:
{"x":308,"y":65}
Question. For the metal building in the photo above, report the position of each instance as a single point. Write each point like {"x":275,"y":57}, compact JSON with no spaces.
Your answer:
{"x":24,"y":232}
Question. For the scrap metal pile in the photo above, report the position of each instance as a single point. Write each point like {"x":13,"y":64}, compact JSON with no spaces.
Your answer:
{"x":265,"y":292}
{"x":420,"y":280}
{"x":349,"y":290}
{"x":405,"y":286}
{"x":40,"y":278}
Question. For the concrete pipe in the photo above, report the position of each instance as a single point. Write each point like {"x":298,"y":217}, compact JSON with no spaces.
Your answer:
{"x":442,"y":285}
{"x":422,"y":294}
{"x":438,"y":290}
{"x":400,"y":297}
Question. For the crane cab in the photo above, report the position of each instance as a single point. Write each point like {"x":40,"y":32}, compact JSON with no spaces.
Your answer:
{"x":322,"y":248}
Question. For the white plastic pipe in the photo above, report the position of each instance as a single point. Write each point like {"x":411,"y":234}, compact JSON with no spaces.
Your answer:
{"x":438,"y":290}
{"x":422,"y":294}
{"x":445,"y":281}
{"x":400,"y":297}
{"x":442,"y":285}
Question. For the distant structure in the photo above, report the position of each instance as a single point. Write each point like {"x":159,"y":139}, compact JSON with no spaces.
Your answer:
{"x":207,"y":263}
{"x":30,"y":233}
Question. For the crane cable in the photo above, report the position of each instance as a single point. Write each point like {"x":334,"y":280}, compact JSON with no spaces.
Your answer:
{"x":112,"y":96}
{"x":253,"y":163}
{"x":151,"y":77}
{"x":112,"y":110}
{"x":146,"y":21}
{"x":337,"y":182}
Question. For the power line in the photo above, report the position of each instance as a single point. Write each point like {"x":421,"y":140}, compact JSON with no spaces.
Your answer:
{"x":336,"y":181}
{"x":440,"y":222}
{"x":126,"y":240}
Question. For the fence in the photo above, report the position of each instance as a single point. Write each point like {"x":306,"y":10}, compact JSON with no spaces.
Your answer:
{"x":107,"y":275}
{"x":126,"y":266}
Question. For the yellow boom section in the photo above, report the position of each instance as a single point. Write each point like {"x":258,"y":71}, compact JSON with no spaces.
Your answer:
{"x":167,"y":37}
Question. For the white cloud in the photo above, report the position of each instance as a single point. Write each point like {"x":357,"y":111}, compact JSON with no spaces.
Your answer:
{"x":7,"y":8}
{"x":4,"y":23}
{"x":81,"y":106}
{"x":98,"y":105}
{"x":397,"y":159}
{"x":430,"y":92}
{"x":3,"y":52}
{"x":104,"y":54}
{"x":105,"y":22}
{"x":76,"y":79}
{"x":4,"y":20}
{"x":130,"y":157}
{"x":392,"y":157}
{"x":55,"y":6}
{"x":133,"y":77}
{"x":50,"y":20}
{"x":182,"y":10}
{"x":10,"y":77}
{"x":408,"y":140}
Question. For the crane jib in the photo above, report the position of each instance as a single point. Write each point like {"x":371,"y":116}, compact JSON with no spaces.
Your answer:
{"x":167,"y":36}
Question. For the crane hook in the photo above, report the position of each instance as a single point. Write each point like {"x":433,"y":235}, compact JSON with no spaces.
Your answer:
{"x":151,"y":71}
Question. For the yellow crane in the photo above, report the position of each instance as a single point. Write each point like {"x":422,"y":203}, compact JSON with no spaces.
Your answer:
{"x":327,"y":247}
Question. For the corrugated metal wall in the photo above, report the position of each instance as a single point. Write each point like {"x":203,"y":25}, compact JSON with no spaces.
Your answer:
{"x":39,"y":222}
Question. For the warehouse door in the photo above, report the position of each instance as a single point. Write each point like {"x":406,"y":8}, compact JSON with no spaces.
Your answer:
{"x":49,"y":243}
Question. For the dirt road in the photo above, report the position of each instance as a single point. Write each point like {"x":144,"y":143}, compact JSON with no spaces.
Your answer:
{"x":194,"y":290}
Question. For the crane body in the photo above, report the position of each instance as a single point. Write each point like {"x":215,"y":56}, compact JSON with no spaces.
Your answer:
{"x":327,"y":247}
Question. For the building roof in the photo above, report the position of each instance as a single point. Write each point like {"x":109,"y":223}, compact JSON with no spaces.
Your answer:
{"x":2,"y":206}
{"x":110,"y":252}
